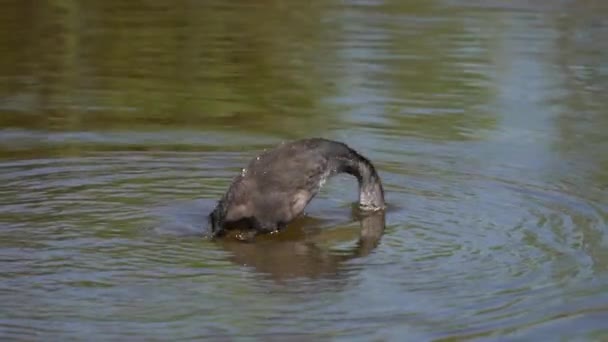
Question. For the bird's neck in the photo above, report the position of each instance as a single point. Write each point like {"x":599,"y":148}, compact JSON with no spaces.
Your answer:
{"x":371,"y":193}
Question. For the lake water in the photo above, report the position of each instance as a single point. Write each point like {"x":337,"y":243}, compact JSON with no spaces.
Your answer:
{"x":121,"y":124}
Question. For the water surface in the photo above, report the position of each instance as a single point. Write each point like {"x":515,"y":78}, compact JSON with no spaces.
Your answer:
{"x":122,"y":124}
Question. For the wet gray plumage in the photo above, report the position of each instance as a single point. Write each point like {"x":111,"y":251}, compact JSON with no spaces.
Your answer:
{"x":277,"y":185}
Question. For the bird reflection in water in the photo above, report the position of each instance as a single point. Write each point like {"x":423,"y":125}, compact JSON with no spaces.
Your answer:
{"x":292,"y":254}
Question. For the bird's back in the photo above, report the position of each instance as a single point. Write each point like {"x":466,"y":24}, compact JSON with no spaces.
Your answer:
{"x":278,"y":184}
{"x":290,"y":167}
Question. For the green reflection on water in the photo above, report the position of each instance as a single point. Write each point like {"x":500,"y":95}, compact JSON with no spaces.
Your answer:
{"x":271,"y":69}
{"x":110,"y":65}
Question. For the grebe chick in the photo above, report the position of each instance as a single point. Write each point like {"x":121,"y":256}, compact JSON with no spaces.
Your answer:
{"x":277,"y":185}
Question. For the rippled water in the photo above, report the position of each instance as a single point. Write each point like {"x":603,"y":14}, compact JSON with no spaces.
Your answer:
{"x":121,"y":126}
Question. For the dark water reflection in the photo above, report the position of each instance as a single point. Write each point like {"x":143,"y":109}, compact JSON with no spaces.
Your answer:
{"x":122,"y":122}
{"x":297,"y":256}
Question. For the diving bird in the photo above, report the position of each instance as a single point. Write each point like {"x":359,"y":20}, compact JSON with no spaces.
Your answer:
{"x":277,"y":185}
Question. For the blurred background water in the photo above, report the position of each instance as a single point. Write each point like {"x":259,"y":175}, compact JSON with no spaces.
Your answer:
{"x":122,"y":122}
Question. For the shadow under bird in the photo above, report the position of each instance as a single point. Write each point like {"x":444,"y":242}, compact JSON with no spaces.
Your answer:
{"x":277,"y":185}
